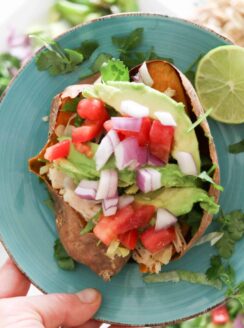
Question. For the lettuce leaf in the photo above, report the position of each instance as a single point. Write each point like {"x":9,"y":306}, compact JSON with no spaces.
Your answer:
{"x":183,"y":275}
{"x":171,"y":176}
{"x":78,"y":166}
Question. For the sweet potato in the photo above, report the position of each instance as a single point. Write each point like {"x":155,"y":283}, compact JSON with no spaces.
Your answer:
{"x":84,"y":249}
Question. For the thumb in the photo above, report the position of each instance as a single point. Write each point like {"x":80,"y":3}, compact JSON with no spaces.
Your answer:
{"x":66,"y":309}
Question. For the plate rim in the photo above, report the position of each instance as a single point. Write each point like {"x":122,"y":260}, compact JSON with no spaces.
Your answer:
{"x":70,"y":30}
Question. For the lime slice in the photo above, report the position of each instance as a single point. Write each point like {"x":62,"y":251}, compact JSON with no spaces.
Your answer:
{"x":220,"y":83}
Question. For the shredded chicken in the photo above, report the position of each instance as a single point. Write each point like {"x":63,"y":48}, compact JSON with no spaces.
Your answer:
{"x":152,"y":262}
{"x":56,"y":177}
{"x":87,"y":208}
{"x":179,"y":243}
{"x":59,"y":180}
{"x":225,"y":17}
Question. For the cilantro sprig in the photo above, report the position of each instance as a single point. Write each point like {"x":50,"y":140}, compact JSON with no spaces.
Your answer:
{"x":57,"y":60}
{"x":128,"y":47}
{"x":237,"y":147}
{"x":64,"y":261}
{"x":91,"y":223}
{"x":232,"y":225}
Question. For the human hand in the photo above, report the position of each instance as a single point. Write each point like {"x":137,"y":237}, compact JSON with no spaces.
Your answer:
{"x":45,"y":311}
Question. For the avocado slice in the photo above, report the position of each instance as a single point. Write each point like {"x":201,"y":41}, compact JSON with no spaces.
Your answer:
{"x":179,"y":201}
{"x":114,"y":93}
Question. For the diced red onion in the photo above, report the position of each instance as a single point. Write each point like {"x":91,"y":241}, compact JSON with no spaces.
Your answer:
{"x":73,"y":91}
{"x":125,"y":200}
{"x":239,"y":321}
{"x":87,"y":189}
{"x":110,"y":206}
{"x":132,"y":108}
{"x":145,"y":76}
{"x":108,"y":184}
{"x":186,"y":163}
{"x":148,"y":180}
{"x":153,"y":160}
{"x":127,"y":123}
{"x":129,"y":154}
{"x":165,"y":118}
{"x":164,"y":219}
{"x":106,"y":148}
{"x":15,"y":40}
{"x":19,"y":45}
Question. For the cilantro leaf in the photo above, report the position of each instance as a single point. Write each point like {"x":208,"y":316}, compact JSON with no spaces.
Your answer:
{"x":64,"y":261}
{"x":200,"y":119}
{"x":219,"y":271}
{"x":232,"y":225}
{"x":55,"y":59}
{"x":238,"y":293}
{"x":78,"y":121}
{"x":237,"y":147}
{"x":87,"y":48}
{"x":70,"y":105}
{"x":99,"y":61}
{"x":205,"y":177}
{"x":114,"y":70}
{"x":193,"y":218}
{"x":91,"y":223}
{"x":191,"y":70}
{"x":129,"y":42}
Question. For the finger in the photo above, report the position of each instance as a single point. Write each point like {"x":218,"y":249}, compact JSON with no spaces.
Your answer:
{"x":123,"y":326}
{"x":13,"y":282}
{"x":66,"y":309}
{"x":90,"y":324}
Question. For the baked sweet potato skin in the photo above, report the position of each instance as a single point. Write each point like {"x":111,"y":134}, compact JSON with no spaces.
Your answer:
{"x":166,"y":75}
{"x":85,"y":249}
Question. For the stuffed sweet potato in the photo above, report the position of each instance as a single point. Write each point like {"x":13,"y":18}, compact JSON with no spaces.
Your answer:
{"x":123,"y":164}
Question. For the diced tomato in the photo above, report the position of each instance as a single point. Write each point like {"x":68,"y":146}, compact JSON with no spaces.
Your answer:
{"x":220,"y":315}
{"x":161,"y":140}
{"x":143,"y":135}
{"x":133,"y":217}
{"x":126,"y":219}
{"x":92,"y":109}
{"x":155,"y":241}
{"x":129,"y":239}
{"x":123,"y":219}
{"x":84,"y":149}
{"x":105,"y":231}
{"x":59,"y":150}
{"x":88,"y":131}
{"x":143,"y":215}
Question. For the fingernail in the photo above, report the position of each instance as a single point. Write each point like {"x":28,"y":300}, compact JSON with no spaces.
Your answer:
{"x":88,"y":295}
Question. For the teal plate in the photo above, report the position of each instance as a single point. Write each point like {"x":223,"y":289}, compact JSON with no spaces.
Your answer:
{"x":27,"y":226}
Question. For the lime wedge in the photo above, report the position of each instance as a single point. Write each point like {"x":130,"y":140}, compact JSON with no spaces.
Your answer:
{"x":220,"y":83}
